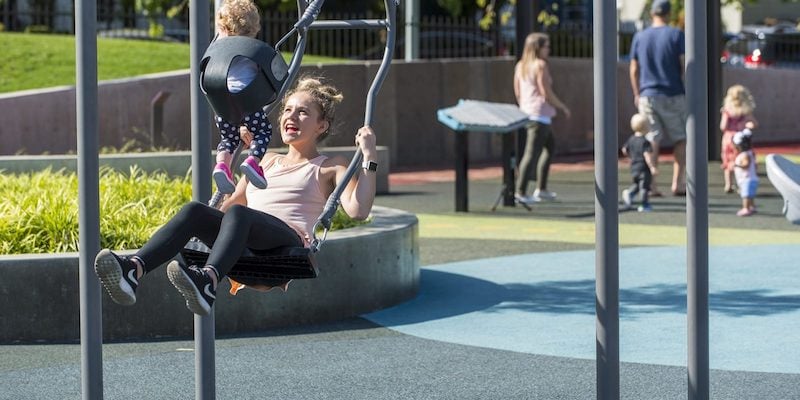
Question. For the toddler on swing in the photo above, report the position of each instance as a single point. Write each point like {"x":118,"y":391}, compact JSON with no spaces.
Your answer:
{"x":240,"y":18}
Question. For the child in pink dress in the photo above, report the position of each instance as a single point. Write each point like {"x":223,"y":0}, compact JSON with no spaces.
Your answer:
{"x":737,"y":115}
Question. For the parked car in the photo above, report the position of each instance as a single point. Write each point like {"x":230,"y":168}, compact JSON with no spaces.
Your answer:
{"x":440,"y":44}
{"x":764,"y":46}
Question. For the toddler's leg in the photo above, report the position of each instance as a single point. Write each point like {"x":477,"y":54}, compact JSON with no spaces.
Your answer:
{"x":229,"y":141}
{"x":259,"y":126}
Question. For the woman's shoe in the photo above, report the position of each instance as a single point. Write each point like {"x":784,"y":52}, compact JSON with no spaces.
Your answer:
{"x":745,"y":212}
{"x":118,"y":276}
{"x":521,"y":198}
{"x":195,"y":285}
{"x":544,"y":195}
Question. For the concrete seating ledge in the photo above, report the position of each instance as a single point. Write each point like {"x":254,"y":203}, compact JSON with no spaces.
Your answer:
{"x":361,"y":269}
{"x":175,"y":163}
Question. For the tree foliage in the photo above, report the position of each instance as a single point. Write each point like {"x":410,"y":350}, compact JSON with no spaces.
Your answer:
{"x":547,"y":16}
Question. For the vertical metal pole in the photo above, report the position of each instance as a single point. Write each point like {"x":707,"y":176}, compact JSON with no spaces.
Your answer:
{"x":714,"y":79}
{"x":509,"y":162}
{"x":205,"y":383}
{"x":462,"y":168}
{"x":697,"y":199}
{"x":91,"y":305}
{"x":412,"y":30}
{"x":606,"y":210}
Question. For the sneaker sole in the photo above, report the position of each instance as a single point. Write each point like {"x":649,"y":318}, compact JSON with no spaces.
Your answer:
{"x":253,"y":176}
{"x":194,"y":300}
{"x":224,"y":185}
{"x":109,"y":272}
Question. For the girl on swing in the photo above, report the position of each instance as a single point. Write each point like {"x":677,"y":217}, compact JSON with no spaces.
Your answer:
{"x":260,"y":219}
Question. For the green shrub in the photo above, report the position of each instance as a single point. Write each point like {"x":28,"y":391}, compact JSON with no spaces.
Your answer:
{"x":40,"y":213}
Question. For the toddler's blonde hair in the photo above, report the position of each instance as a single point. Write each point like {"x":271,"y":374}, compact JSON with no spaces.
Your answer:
{"x":239,"y":18}
{"x":738,"y":101}
{"x":639,"y":123}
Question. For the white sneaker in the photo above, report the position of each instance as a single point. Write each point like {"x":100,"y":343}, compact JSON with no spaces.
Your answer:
{"x":544,"y":195}
{"x":626,"y":199}
{"x":521,"y":198}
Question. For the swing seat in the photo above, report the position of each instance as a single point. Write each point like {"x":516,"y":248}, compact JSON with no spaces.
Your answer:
{"x":269,"y":268}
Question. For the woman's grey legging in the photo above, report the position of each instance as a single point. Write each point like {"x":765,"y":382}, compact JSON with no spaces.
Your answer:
{"x":226,"y":233}
{"x":539,"y":147}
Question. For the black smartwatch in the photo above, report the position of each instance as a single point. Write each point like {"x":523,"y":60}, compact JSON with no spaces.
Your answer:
{"x":369,"y":166}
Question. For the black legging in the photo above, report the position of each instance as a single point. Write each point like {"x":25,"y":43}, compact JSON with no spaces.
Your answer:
{"x":226,"y":233}
{"x":539,"y":148}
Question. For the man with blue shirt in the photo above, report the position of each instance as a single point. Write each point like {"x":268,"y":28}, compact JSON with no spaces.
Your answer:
{"x":656,"y":73}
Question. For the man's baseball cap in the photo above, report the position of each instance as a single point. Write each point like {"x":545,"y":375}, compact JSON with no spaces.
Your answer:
{"x":660,"y":7}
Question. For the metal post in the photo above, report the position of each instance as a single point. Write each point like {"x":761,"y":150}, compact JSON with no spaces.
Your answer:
{"x":509,"y":163}
{"x":91,"y":319}
{"x":697,"y":199}
{"x":462,"y":167}
{"x":606,"y":210}
{"x":205,"y":383}
{"x":714,"y":79}
{"x":412,"y":30}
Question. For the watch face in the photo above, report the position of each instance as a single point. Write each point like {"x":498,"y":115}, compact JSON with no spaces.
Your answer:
{"x":370,"y":165}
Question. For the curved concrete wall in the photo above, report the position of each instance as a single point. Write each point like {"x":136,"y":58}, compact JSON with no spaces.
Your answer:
{"x":361,"y":270}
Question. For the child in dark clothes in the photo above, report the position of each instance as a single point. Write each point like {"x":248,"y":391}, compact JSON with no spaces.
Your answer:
{"x":640,"y":152}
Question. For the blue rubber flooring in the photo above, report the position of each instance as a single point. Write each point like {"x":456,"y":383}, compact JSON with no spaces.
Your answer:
{"x":544,"y":304}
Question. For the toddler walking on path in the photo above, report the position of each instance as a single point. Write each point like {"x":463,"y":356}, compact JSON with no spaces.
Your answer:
{"x":640,"y":152}
{"x":745,"y":170}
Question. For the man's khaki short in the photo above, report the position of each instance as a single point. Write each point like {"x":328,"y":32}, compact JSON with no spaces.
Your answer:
{"x":667,"y":116}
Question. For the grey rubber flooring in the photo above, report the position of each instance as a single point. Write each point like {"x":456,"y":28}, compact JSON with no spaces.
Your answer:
{"x":357,"y":359}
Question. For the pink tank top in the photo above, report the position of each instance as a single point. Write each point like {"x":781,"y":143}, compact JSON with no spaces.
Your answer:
{"x":293,"y":194}
{"x":531,"y":100}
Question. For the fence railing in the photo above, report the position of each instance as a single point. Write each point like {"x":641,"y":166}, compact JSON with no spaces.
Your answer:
{"x":440,"y":36}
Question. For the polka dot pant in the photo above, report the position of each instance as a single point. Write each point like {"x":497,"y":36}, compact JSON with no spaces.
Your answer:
{"x":257,"y":123}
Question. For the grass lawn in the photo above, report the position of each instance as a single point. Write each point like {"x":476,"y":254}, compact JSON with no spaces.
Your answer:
{"x":33,"y":61}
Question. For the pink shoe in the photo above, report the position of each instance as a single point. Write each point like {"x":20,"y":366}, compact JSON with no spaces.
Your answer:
{"x":253,"y":172}
{"x":745,"y":212}
{"x":223,"y":178}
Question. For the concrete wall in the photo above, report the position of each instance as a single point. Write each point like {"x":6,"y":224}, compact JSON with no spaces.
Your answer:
{"x":381,"y":268}
{"x":405,"y":116}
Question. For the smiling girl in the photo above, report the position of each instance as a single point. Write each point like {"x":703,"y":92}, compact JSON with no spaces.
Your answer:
{"x":259,"y":219}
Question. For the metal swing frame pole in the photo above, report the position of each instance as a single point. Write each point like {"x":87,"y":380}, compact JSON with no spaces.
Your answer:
{"x":697,"y":200}
{"x":91,"y":303}
{"x":199,"y":34}
{"x":332,"y":204}
{"x":606,"y":212}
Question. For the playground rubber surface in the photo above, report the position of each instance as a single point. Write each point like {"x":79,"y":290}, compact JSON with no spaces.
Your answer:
{"x":505,"y":311}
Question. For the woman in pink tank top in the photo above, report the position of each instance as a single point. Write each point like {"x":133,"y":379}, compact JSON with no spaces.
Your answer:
{"x":533,"y":88}
{"x":261,"y":219}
